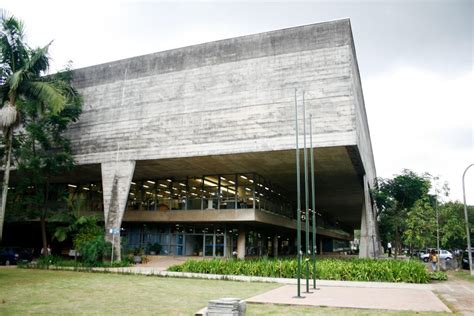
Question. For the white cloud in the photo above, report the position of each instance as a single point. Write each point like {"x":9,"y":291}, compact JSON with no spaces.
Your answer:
{"x":423,"y":121}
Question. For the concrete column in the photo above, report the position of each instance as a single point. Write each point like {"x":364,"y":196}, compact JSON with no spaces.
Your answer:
{"x":116,"y":179}
{"x":368,"y":245}
{"x":241,"y":244}
{"x":320,"y":246}
{"x":275,"y":246}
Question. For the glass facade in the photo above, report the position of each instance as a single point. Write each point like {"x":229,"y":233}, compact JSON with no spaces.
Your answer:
{"x":217,"y":192}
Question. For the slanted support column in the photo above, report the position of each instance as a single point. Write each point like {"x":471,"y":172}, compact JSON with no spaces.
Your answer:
{"x":241,"y":244}
{"x":368,"y":245}
{"x":116,"y":180}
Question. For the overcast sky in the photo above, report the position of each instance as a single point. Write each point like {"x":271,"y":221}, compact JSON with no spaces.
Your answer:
{"x":415,"y":58}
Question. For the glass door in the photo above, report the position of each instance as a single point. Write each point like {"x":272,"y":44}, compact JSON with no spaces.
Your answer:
{"x":208,"y":245}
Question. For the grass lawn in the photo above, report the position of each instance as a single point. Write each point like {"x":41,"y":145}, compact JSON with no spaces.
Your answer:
{"x":24,"y":292}
{"x":462,"y":274}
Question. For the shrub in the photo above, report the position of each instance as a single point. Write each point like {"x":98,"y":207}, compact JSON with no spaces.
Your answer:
{"x":438,"y":276}
{"x":328,"y":269}
{"x":94,"y":249}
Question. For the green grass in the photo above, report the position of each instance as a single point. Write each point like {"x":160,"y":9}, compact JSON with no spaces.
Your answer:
{"x":463,"y":274}
{"x":33,"y":291}
{"x":45,"y":292}
{"x":410,"y":271}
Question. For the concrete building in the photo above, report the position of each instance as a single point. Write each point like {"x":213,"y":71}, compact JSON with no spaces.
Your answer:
{"x":194,"y":148}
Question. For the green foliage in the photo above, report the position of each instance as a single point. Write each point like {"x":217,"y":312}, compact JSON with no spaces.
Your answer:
{"x":420,"y":224}
{"x":438,"y":276}
{"x":452,"y":225}
{"x":47,"y":262}
{"x":395,"y":198}
{"x":94,"y":249}
{"x":327,"y":269}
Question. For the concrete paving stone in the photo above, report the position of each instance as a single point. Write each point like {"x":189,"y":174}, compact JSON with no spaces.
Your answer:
{"x":417,"y":300}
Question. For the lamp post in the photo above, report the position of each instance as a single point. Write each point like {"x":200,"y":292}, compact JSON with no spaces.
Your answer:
{"x":298,"y":210}
{"x":468,"y":231}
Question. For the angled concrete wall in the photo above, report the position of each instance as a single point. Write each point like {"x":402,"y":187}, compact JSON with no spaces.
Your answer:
{"x":223,"y":97}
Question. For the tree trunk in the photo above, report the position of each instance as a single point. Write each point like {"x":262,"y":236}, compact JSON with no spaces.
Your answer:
{"x":44,"y":239}
{"x":6,"y":177}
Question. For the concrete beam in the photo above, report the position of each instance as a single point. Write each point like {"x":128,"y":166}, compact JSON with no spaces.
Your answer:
{"x":116,"y":179}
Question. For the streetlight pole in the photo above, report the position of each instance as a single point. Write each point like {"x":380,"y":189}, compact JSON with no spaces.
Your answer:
{"x":468,"y":231}
{"x":306,"y":196}
{"x":298,"y":209}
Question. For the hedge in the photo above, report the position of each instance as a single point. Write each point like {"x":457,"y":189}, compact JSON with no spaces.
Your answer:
{"x":327,"y":269}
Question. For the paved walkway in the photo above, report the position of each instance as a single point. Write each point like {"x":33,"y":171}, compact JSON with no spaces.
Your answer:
{"x":458,"y":293}
{"x":400,"y":299}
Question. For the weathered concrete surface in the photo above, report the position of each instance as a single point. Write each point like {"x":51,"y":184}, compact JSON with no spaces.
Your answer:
{"x":116,"y":178}
{"x":224,"y":97}
{"x":403,"y":299}
{"x":369,"y":240}
{"x":234,"y":98}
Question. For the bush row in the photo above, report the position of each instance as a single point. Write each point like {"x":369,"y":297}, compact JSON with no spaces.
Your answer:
{"x":327,"y":269}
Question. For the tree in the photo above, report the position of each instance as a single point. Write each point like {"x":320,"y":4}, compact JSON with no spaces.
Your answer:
{"x":44,"y":153}
{"x":21,"y":79}
{"x":452,"y":225}
{"x":394,"y":198}
{"x":420,"y":225}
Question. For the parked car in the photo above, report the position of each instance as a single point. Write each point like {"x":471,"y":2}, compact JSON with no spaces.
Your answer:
{"x":8,"y":256}
{"x":465,"y":259}
{"x":13,"y":255}
{"x":444,"y":255}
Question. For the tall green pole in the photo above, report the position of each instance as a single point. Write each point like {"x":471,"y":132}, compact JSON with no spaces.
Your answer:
{"x":313,"y":197}
{"x":306,"y":196}
{"x":298,"y":198}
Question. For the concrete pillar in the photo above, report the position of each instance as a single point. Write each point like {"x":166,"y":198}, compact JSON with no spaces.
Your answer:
{"x":116,"y":179}
{"x":320,"y":246}
{"x":241,"y":244}
{"x":275,"y":246}
{"x":368,"y":245}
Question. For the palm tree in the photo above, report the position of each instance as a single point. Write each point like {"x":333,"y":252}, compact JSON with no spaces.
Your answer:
{"x":22,"y":78}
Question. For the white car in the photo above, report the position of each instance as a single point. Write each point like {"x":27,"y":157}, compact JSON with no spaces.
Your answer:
{"x":444,"y":255}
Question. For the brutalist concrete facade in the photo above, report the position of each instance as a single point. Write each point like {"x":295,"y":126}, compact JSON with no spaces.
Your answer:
{"x":228,"y":106}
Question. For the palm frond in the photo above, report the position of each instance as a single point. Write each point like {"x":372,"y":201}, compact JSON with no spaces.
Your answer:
{"x":15,"y":81}
{"x":46,"y":93}
{"x":39,"y":61}
{"x":13,"y":50}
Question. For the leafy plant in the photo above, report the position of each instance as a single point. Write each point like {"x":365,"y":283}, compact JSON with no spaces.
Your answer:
{"x":438,"y":276}
{"x":328,"y":269}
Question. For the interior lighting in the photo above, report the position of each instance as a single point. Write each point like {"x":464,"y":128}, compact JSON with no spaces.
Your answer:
{"x":251,"y":181}
{"x":149,"y":181}
{"x":169,"y":180}
{"x":222,"y":178}
{"x":244,"y":177}
{"x":72,"y":186}
{"x":248,"y":189}
{"x":159,"y":195}
{"x":182,"y":184}
{"x":133,"y":183}
{"x":87,"y":189}
{"x":145,"y":186}
{"x":168,"y":192}
{"x":231,"y":182}
{"x":163,"y":185}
